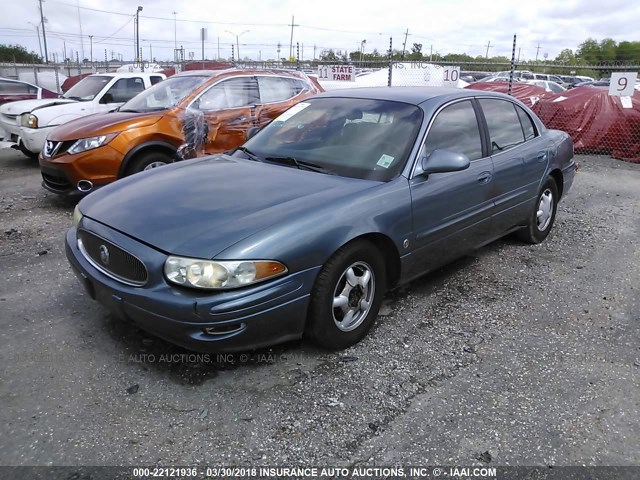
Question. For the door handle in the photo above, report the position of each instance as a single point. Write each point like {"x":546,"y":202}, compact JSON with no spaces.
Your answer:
{"x":542,"y":156}
{"x":484,"y":177}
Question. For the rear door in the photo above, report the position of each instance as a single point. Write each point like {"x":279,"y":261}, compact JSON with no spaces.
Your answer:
{"x":452,"y":211}
{"x":226,"y":111}
{"x":519,"y":157}
{"x":277,"y":94}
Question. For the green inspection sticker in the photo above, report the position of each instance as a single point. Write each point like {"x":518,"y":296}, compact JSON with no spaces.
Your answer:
{"x":385,"y":160}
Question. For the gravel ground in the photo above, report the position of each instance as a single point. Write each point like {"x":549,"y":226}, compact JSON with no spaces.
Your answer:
{"x":514,"y":355}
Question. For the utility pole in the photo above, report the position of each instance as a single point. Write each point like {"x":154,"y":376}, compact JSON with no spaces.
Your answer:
{"x":431,"y":54}
{"x":138,"y":34}
{"x":314,"y":52}
{"x":486,"y":55}
{"x":218,"y":57}
{"x":279,"y":59}
{"x":291,"y":41}
{"x":44,"y":35}
{"x":404,"y":45}
{"x":519,"y":54}
{"x":537,"y":50}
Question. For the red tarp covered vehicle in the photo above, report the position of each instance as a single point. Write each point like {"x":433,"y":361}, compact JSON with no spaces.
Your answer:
{"x":597,"y":122}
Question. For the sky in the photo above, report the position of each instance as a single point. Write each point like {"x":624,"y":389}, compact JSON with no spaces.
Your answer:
{"x":257,"y":26}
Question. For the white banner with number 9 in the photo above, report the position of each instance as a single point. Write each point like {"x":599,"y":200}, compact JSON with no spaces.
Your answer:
{"x":622,"y":84}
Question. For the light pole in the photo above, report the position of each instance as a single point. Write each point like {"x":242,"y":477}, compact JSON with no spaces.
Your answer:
{"x":362,"y":49}
{"x":137,"y":57}
{"x":237,"y":40}
{"x":91,"y":50}
{"x":175,"y":30}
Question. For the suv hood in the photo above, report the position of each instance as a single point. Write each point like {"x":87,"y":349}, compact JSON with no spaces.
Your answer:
{"x":198,"y":208}
{"x":25,"y":106}
{"x":102,"y":124}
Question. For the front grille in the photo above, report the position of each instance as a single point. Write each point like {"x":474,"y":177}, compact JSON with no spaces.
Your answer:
{"x":55,"y":179}
{"x":112,"y":260}
{"x":53,"y":148}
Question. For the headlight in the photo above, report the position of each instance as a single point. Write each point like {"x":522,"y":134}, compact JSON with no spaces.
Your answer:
{"x":29,"y":120}
{"x":193,"y":272}
{"x":77,"y":216}
{"x":91,"y":142}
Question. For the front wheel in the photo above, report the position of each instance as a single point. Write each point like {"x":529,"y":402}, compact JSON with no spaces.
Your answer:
{"x":148,"y":161}
{"x":26,"y":151}
{"x":346,"y":296}
{"x":543,"y":215}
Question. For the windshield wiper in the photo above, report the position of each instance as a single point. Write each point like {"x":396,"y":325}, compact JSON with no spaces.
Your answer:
{"x":300,"y":164}
{"x":249,"y":153}
{"x":127,"y":110}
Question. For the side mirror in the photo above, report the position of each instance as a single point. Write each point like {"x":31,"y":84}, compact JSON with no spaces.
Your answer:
{"x":441,"y":161}
{"x":251,"y":132}
{"x":107,"y":98}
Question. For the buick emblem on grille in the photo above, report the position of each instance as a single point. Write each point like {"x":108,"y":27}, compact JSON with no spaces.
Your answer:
{"x":104,"y":254}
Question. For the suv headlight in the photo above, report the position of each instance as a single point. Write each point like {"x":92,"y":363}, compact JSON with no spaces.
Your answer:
{"x":29,"y":120}
{"x":89,"y":143}
{"x":208,"y":274}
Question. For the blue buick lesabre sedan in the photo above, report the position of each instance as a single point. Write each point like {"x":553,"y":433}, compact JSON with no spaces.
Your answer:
{"x":302,"y":230}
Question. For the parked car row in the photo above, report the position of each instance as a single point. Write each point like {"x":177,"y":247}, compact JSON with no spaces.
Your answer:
{"x":28,"y":122}
{"x":306,"y":208}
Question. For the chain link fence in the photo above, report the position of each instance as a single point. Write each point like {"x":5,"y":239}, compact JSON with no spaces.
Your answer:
{"x":599,"y":123}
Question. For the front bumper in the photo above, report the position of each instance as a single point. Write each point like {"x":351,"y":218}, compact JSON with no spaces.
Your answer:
{"x":242,"y":319}
{"x":34,"y":138}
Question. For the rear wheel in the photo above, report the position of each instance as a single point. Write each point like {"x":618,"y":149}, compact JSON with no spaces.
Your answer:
{"x":543,"y":215}
{"x":346,"y":296}
{"x":148,"y":161}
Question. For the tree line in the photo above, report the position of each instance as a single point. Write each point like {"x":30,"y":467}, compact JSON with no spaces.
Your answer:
{"x":589,"y":52}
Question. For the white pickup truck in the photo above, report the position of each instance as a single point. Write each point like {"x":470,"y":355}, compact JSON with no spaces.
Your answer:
{"x":29,"y":121}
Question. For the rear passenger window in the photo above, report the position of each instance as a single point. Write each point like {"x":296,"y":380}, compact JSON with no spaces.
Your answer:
{"x":456,"y":128}
{"x":528,"y":128}
{"x":155,"y":79}
{"x":276,"y":89}
{"x":505,"y":130}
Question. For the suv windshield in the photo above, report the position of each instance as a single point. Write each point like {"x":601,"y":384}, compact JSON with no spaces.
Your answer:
{"x":87,"y":88}
{"x":163,"y":95}
{"x":352,"y":137}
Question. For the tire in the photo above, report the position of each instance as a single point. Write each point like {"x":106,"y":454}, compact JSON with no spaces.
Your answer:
{"x":543,"y":215}
{"x":148,"y":160}
{"x":26,"y":151}
{"x":355,"y":274}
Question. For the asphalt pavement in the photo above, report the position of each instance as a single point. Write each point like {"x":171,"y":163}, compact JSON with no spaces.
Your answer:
{"x":513,"y":355}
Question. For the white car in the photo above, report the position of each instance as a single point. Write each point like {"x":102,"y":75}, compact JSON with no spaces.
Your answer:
{"x":548,"y":85}
{"x":29,"y":121}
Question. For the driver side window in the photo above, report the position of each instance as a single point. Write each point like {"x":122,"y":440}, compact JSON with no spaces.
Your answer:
{"x":230,"y":93}
{"x":455,"y":128}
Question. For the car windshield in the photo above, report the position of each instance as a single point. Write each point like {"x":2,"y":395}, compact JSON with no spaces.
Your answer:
{"x":163,"y":95}
{"x":351,"y":137}
{"x":87,"y":88}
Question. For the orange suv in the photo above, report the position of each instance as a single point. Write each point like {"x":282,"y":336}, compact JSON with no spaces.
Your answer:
{"x":188,"y":115}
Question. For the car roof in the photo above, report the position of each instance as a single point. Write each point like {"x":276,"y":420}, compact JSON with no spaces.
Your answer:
{"x":13,"y":80}
{"x":240,"y":71}
{"x":411,"y":95}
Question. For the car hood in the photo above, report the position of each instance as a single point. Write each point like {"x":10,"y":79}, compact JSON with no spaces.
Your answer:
{"x":102,"y":124}
{"x":199,"y":208}
{"x":24,"y":106}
